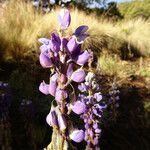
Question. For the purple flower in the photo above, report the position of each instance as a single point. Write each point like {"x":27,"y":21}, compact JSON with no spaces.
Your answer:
{"x":45,"y":61}
{"x":80,"y":33}
{"x":78,"y":107}
{"x":97,"y":130}
{"x":44,"y":41}
{"x":83,"y":58}
{"x":77,"y":136}
{"x":72,"y":45}
{"x":60,"y":94}
{"x":98,"y":96}
{"x":44,"y":48}
{"x":64,"y":19}
{"x":44,"y":88}
{"x":70,"y":70}
{"x":78,"y":75}
{"x":51,"y":118}
{"x":96,"y":141}
{"x":55,"y":42}
{"x":64,"y":42}
{"x":82,"y":87}
{"x":53,"y":84}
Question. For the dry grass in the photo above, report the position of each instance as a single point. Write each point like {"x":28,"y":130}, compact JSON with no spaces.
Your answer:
{"x":21,"y":26}
{"x":112,"y":65}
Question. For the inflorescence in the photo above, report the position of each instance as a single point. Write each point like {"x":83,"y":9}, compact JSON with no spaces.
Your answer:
{"x":73,"y":87}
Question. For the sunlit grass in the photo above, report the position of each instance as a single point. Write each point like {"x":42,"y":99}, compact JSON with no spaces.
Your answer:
{"x":21,"y":26}
{"x":112,"y":65}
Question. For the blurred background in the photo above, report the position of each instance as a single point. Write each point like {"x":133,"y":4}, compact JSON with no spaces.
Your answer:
{"x":120,"y":40}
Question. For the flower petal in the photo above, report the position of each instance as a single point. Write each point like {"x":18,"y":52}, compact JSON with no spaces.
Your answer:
{"x":77,"y":136}
{"x":45,"y":61}
{"x":98,"y":96}
{"x":78,"y":107}
{"x":44,"y":41}
{"x":82,"y":87}
{"x":64,"y":19}
{"x":78,"y":76}
{"x":81,"y":30}
{"x":53,"y":84}
{"x":44,"y":88}
{"x":72,"y":45}
{"x":83,"y":58}
{"x":55,"y":42}
{"x":60,"y":95}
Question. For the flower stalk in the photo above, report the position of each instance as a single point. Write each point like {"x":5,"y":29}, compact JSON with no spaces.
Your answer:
{"x":64,"y":56}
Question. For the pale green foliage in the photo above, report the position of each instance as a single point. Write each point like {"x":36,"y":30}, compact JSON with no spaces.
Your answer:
{"x":136,"y":8}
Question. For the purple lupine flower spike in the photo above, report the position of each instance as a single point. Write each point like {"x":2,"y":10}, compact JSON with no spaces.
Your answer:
{"x":77,"y":136}
{"x":44,"y":88}
{"x":78,"y":107}
{"x":64,"y":19}
{"x":45,"y":61}
{"x":78,"y":75}
{"x":82,"y":87}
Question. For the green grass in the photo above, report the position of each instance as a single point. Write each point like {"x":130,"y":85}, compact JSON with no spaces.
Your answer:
{"x":136,"y":8}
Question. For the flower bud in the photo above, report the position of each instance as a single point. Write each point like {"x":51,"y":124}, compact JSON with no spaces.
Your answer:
{"x":83,"y":58}
{"x":83,"y":87}
{"x":64,"y":42}
{"x":78,"y":107}
{"x":98,"y":96}
{"x":97,"y":130}
{"x":60,"y":95}
{"x":81,"y":30}
{"x":77,"y":136}
{"x":72,"y":45}
{"x":51,"y":118}
{"x":96,"y":141}
{"x":64,"y":19}
{"x":44,"y":48}
{"x":80,"y":33}
{"x":78,"y":75}
{"x":44,"y":88}
{"x":45,"y":61}
{"x":53,"y":84}
{"x":55,"y":42}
